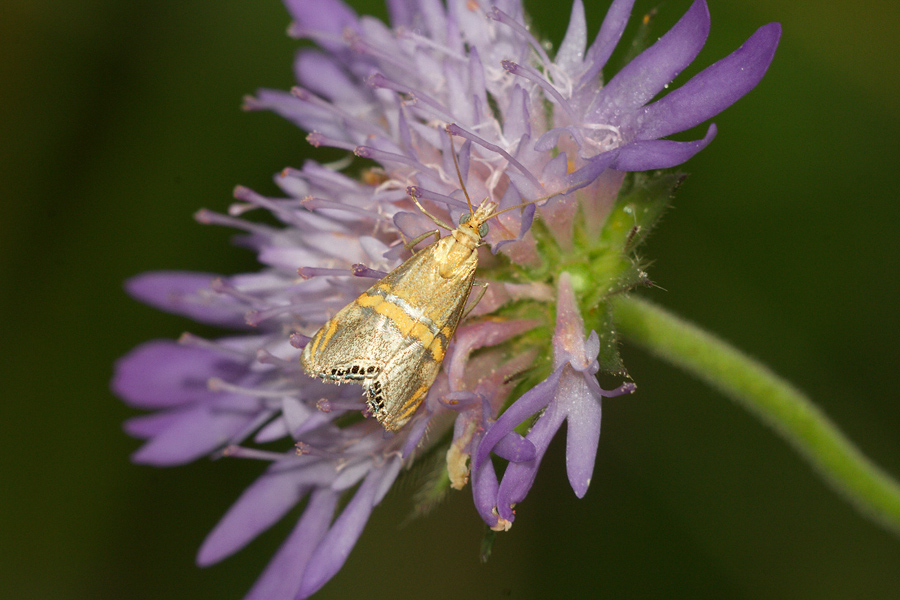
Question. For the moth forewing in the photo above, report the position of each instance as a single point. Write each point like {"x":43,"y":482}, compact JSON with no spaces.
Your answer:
{"x":392,"y":339}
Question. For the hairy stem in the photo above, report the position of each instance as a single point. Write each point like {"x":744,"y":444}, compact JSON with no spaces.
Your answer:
{"x":755,"y":387}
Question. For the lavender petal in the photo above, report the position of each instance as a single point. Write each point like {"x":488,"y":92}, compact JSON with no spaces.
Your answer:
{"x":195,"y":433}
{"x":582,"y":428}
{"x":189,"y":295}
{"x":519,"y":477}
{"x":655,"y":67}
{"x":714,"y":89}
{"x":531,"y":402}
{"x":514,"y":448}
{"x":165,"y":374}
{"x":282,"y":576}
{"x":260,"y":506}
{"x":607,"y":39}
{"x":660,"y":154}
{"x":331,"y":554}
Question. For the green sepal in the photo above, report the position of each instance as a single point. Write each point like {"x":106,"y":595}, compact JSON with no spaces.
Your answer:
{"x":642,"y":200}
{"x":609,"y":358}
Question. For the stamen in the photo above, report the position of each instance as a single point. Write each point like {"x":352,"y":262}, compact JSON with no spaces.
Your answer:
{"x":628,"y":387}
{"x":612,"y":139}
{"x":391,"y":157}
{"x":208,"y":217}
{"x":255,"y":317}
{"x":501,"y":17}
{"x":264,"y":357}
{"x":217,"y":384}
{"x":360,"y":270}
{"x":304,"y":449}
{"x":461,"y":400}
{"x":457,"y":130}
{"x":423,"y":194}
{"x":222,"y":286}
{"x":310,"y":272}
{"x":406,"y":34}
{"x":531,"y":75}
{"x":195,"y":341}
{"x":318,"y":140}
{"x":378,"y":80}
{"x":250,"y":103}
{"x":235,"y":451}
{"x":299,"y":341}
{"x":322,"y":177}
{"x":326,"y":405}
{"x":312,"y":203}
{"x":359,"y":124}
{"x":285,"y":211}
{"x":358,"y":44}
{"x":458,"y":173}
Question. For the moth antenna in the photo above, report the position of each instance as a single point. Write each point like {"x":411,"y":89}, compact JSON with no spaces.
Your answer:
{"x":536,"y":200}
{"x":509,"y":208}
{"x":458,"y":173}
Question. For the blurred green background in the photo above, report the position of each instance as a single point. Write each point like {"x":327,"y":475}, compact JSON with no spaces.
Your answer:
{"x":120,"y":119}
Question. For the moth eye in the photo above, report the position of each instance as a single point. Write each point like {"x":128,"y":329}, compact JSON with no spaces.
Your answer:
{"x":465,"y":218}
{"x":483,"y":229}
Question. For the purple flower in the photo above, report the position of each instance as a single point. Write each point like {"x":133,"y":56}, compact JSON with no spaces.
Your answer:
{"x":571,"y":393}
{"x":533,"y":129}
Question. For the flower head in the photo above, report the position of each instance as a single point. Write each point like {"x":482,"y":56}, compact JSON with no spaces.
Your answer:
{"x":547,"y":138}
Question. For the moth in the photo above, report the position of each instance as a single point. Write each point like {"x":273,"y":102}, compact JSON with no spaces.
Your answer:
{"x":392,"y":339}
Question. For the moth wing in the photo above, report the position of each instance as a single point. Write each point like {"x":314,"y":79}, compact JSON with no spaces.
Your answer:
{"x":432,"y":305}
{"x":350,"y":346}
{"x":402,"y":386}
{"x":393,"y":337}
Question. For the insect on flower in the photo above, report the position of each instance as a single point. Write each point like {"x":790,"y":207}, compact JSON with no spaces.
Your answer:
{"x":392,"y":339}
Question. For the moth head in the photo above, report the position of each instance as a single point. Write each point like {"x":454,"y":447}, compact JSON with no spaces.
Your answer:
{"x":482,"y":227}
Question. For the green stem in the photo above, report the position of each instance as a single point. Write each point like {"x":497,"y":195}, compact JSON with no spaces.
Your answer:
{"x":752,"y":385}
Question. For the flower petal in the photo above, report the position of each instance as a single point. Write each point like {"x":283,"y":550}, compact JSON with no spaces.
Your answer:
{"x":571,"y":51}
{"x":261,"y":505}
{"x":164,"y":374}
{"x":323,"y":75}
{"x":147,"y":426}
{"x":568,"y":337}
{"x":519,"y":477}
{"x":484,"y":492}
{"x":322,"y":16}
{"x":478,"y":335}
{"x":714,"y":89}
{"x":660,"y":154}
{"x":187,"y":294}
{"x":607,"y":39}
{"x":195,"y":433}
{"x":582,"y":428}
{"x":514,"y":448}
{"x":531,"y":402}
{"x":282,"y":576}
{"x":658,"y":65}
{"x":331,"y":554}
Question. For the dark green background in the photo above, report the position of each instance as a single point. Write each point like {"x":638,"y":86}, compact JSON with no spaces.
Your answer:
{"x":120,"y":119}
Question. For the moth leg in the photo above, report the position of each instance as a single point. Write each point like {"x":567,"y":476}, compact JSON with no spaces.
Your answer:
{"x":484,"y":286}
{"x":411,"y":243}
